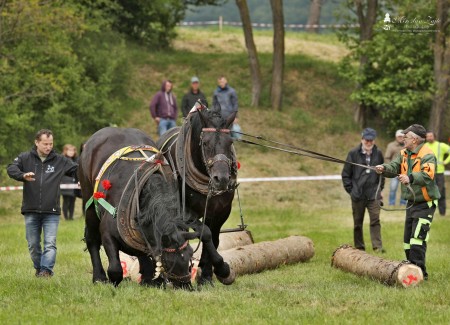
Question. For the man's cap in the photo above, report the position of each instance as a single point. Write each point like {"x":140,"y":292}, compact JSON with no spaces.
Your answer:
{"x":399,"y":133}
{"x":194,"y":79}
{"x":417,"y":129}
{"x":369,"y":134}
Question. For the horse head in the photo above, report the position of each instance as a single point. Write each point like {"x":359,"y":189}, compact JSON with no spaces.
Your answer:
{"x":166,"y":231}
{"x":216,"y":148}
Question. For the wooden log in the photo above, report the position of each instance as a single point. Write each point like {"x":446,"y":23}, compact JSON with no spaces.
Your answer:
{"x":229,"y":240}
{"x":268,"y":255}
{"x":350,"y":259}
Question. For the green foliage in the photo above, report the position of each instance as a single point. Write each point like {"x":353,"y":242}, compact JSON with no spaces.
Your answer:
{"x":55,"y":74}
{"x":396,"y":78}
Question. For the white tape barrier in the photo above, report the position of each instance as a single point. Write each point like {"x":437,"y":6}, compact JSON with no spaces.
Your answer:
{"x":240,"y":180}
{"x":265,"y":25}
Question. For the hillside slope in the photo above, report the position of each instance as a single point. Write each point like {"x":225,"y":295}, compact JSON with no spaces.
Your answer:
{"x":316,"y":115}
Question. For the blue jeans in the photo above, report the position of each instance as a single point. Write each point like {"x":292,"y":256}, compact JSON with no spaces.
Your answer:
{"x":165,"y":124}
{"x":35,"y":223}
{"x":236,"y":128}
{"x":393,"y":192}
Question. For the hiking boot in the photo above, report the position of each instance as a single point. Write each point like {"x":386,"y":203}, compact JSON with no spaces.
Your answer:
{"x":44,"y":274}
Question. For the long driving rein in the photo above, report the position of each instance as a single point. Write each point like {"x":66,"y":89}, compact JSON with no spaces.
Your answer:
{"x":316,"y":155}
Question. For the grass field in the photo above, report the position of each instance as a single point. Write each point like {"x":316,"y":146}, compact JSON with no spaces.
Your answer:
{"x":310,"y":293}
{"x":316,"y":115}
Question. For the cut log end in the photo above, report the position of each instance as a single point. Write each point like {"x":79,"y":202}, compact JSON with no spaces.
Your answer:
{"x":409,"y":275}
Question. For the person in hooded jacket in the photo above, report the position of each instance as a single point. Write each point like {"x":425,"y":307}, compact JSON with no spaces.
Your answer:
{"x":41,"y":170}
{"x":361,"y":183}
{"x":163,"y":108}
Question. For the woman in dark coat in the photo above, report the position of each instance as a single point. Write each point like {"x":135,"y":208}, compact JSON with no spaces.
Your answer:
{"x":68,"y":195}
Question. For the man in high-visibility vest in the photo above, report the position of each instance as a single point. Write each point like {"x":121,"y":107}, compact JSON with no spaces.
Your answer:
{"x":416,"y":166}
{"x":440,"y":149}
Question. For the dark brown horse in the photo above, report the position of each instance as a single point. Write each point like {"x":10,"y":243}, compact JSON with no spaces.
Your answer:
{"x":147,"y":222}
{"x":203,"y":156}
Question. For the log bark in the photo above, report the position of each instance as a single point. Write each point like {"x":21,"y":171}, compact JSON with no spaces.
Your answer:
{"x":441,"y":69}
{"x":314,"y":16}
{"x":389,"y":272}
{"x":269,"y":255}
{"x":255,"y":70}
{"x":276,"y":90}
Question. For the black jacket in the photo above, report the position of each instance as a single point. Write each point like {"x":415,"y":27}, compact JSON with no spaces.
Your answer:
{"x":189,"y":101}
{"x":361,"y":183}
{"x":42,"y":195}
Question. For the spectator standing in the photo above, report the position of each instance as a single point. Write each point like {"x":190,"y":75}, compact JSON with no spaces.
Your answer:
{"x":68,"y":195}
{"x":361,"y":183}
{"x":41,"y":170}
{"x":226,"y":97}
{"x":192,"y":96}
{"x":393,"y":149}
{"x":163,"y":108}
{"x":416,"y":165}
{"x":440,"y":149}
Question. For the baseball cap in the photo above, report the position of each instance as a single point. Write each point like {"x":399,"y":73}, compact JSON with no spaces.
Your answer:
{"x":399,"y":133}
{"x":417,"y":129}
{"x":194,"y":79}
{"x":369,"y":134}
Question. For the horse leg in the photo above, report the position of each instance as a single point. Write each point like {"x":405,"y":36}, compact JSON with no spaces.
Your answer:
{"x":147,"y":269}
{"x":115,"y":271}
{"x":93,"y":243}
{"x":210,"y":257}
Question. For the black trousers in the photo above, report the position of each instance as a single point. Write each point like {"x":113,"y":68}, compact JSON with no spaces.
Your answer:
{"x":359,"y":209}
{"x":68,"y":206}
{"x":417,"y":226}
{"x":440,"y":182}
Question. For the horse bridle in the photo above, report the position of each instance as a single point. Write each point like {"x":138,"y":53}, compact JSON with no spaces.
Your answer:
{"x":171,"y":276}
{"x":210,"y":162}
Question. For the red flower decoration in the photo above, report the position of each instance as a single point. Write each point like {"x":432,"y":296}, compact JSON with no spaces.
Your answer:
{"x":238,"y":165}
{"x":158,"y":161}
{"x":99,"y":195}
{"x":106,"y":184}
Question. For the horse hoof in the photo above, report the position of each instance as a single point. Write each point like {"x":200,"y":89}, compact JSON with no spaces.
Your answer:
{"x":229,"y":279}
{"x":202,"y":282}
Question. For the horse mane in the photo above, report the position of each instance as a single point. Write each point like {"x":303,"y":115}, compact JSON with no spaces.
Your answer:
{"x":158,"y":204}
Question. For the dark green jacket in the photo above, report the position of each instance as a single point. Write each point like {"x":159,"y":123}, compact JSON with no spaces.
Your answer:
{"x":420,"y":166}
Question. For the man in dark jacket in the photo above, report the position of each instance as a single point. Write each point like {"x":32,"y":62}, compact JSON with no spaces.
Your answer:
{"x":41,"y":171}
{"x":192,"y":96}
{"x":361,"y":183}
{"x":163,"y":108}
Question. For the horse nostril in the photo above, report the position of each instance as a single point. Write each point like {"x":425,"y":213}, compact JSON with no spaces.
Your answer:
{"x":216,"y":179}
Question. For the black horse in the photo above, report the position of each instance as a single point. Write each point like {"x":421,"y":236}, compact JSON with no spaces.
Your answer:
{"x":201,"y":152}
{"x":147,"y":222}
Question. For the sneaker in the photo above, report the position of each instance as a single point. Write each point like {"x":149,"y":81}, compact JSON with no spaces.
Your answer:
{"x":379,"y":250}
{"x":44,"y":274}
{"x":37,"y":272}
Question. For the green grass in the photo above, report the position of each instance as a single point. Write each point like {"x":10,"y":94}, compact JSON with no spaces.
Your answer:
{"x":309,"y":293}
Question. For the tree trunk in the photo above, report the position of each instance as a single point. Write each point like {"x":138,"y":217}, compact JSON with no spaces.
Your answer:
{"x":255,"y":70}
{"x":366,"y":22}
{"x":441,"y":69}
{"x":388,"y":272}
{"x":276,"y":90}
{"x":314,"y":16}
{"x":268,"y":255}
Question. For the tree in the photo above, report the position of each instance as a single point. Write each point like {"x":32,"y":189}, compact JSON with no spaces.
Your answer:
{"x":366,"y":22}
{"x":255,"y":70}
{"x":314,"y":16}
{"x":276,"y":90}
{"x":396,"y":79}
{"x":441,"y":68}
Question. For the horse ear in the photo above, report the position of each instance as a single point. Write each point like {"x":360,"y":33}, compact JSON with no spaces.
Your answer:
{"x":190,"y":235}
{"x":165,"y":240}
{"x":216,"y":106}
{"x":203,"y":119}
{"x":230,"y":120}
